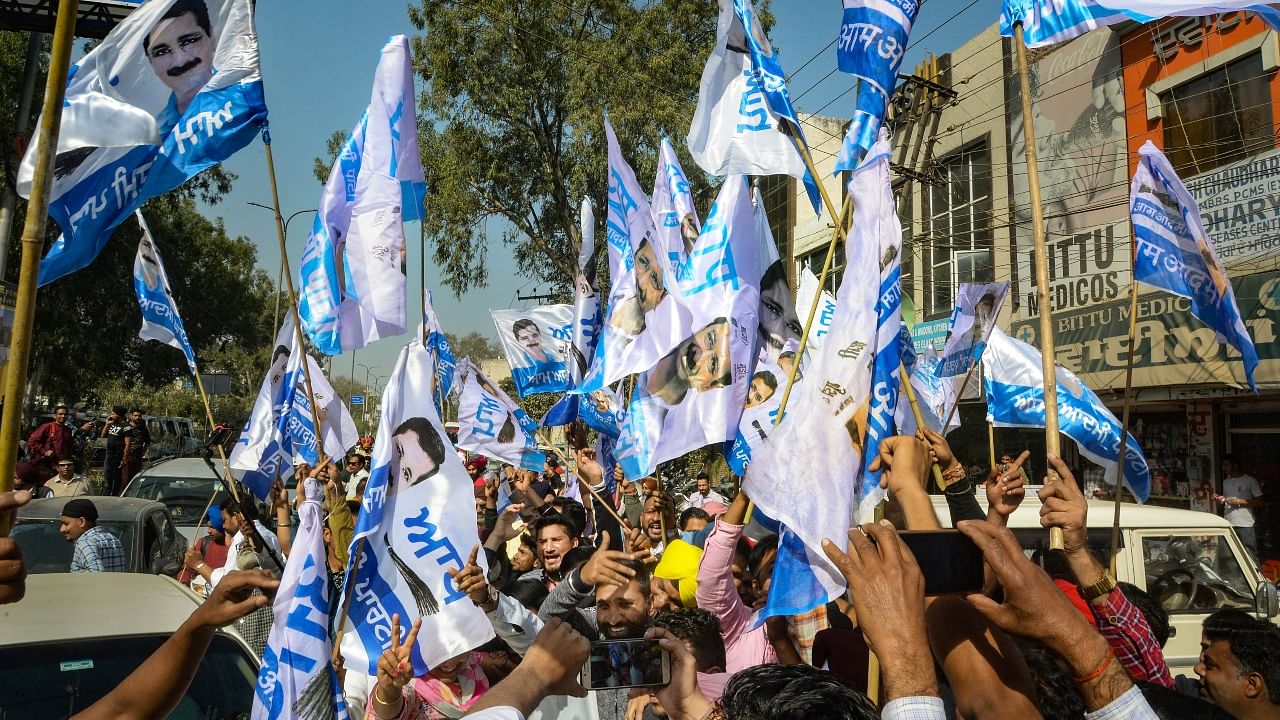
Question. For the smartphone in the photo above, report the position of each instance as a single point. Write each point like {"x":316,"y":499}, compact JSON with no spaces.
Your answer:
{"x":951,"y":562}
{"x":626,"y":664}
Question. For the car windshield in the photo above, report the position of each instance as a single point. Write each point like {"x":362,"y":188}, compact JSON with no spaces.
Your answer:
{"x":60,"y":679}
{"x":1195,"y":573}
{"x":185,"y":497}
{"x":44,"y":550}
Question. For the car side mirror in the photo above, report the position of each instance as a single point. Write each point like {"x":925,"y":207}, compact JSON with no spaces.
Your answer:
{"x":1266,"y":601}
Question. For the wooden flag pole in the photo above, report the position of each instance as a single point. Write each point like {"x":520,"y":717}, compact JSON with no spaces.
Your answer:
{"x":1052,"y":441}
{"x":293,"y":297}
{"x":963,"y":385}
{"x":33,"y":231}
{"x":915,"y":410}
{"x":991,"y":442}
{"x":837,"y":236}
{"x":585,"y":486}
{"x":1128,"y":392}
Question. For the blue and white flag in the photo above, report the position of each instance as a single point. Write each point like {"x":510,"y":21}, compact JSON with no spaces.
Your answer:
{"x":536,"y":342}
{"x":490,"y":424}
{"x":742,"y":105}
{"x":586,"y":319}
{"x":417,"y":522}
{"x":602,"y":411}
{"x":172,"y":90}
{"x":834,"y":414}
{"x":759,"y":414}
{"x":437,"y":344}
{"x":825,"y":314}
{"x":352,"y":273}
{"x":693,"y":396}
{"x":780,"y":327}
{"x":1046,"y":23}
{"x":873,"y":39}
{"x":296,"y":679}
{"x":281,"y":430}
{"x":975,"y":313}
{"x":643,"y":318}
{"x":1015,"y":398}
{"x":935,"y":396}
{"x":160,"y":318}
{"x":1174,"y":252}
{"x":674,"y":216}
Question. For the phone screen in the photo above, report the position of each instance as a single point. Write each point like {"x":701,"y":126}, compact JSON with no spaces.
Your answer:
{"x":950,"y":562}
{"x":627,"y":663}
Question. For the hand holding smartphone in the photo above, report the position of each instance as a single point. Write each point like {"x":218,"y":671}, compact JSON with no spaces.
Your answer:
{"x":616,"y":664}
{"x":950,"y":562}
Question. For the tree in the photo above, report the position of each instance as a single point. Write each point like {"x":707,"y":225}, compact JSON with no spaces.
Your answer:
{"x":475,"y":346}
{"x":86,"y":325}
{"x":510,"y":123}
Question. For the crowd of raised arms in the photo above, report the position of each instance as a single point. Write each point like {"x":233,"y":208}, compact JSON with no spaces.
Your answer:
{"x":563,"y":574}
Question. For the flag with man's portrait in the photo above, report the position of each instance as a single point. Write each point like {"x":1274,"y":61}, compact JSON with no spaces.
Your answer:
{"x":643,"y":317}
{"x":538,"y":344}
{"x":352,"y":273}
{"x":491,"y":424}
{"x":693,"y":396}
{"x":416,"y":523}
{"x":160,"y":318}
{"x":172,"y":90}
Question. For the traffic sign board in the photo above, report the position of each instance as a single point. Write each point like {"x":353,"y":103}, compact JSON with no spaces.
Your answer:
{"x":357,"y":400}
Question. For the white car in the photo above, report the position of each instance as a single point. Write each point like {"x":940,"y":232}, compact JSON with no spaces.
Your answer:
{"x":1191,"y":562}
{"x":74,"y":637}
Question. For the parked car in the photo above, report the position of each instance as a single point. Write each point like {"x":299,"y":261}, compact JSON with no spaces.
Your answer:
{"x":184,"y":486}
{"x":74,"y":637}
{"x":151,"y":543}
{"x":1191,"y":562}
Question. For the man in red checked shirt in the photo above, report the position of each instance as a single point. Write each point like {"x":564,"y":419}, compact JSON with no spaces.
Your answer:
{"x":1118,"y":619}
{"x":51,"y":441}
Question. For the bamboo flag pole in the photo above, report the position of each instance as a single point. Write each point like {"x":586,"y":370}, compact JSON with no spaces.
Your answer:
{"x":837,"y":236}
{"x":915,"y":410}
{"x":991,"y":442}
{"x":33,"y":231}
{"x":1052,"y":441}
{"x":1128,"y":392}
{"x":293,"y":296}
{"x":585,"y":486}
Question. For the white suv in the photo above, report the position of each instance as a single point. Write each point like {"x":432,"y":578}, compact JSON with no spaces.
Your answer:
{"x":74,"y":637}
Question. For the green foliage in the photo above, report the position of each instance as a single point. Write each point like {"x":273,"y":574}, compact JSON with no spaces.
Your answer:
{"x":87,"y":323}
{"x":511,"y":117}
{"x":475,"y":346}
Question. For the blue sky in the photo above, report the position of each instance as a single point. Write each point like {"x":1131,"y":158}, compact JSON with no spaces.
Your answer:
{"x":318,"y":81}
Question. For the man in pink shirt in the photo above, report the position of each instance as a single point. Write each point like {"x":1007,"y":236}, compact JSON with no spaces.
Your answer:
{"x":744,"y":645}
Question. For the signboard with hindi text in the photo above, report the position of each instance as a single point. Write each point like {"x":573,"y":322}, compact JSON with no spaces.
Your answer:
{"x":1240,"y":208}
{"x":1173,"y":347}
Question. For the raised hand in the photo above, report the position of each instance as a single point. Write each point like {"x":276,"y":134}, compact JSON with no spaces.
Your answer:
{"x":557,"y":655}
{"x":1006,"y":489}
{"x":233,"y":597}
{"x":939,"y":449}
{"x":905,"y":460}
{"x":606,"y":566}
{"x":395,"y":667}
{"x":471,"y":580}
{"x":13,"y":573}
{"x":589,"y":468}
{"x":1064,"y":506}
{"x":887,"y":589}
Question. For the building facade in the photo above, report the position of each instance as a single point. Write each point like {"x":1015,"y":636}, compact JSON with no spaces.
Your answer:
{"x":1202,"y":89}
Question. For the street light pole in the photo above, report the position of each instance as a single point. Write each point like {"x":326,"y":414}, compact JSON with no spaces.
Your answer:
{"x":275,"y":318}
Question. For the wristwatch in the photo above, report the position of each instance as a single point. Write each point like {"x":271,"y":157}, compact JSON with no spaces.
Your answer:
{"x":1104,"y":585}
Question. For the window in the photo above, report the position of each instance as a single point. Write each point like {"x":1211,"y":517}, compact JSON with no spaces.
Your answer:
{"x":958,"y":247}
{"x":1194,"y":573}
{"x":64,"y":677}
{"x":817,"y":257}
{"x":1219,"y":118}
